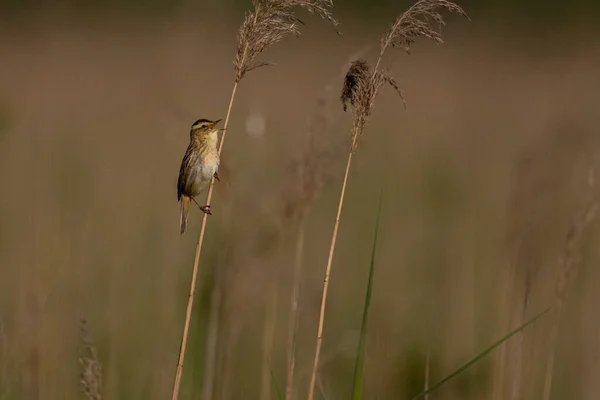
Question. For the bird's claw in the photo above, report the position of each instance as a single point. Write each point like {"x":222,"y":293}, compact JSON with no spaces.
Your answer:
{"x":216,"y":175}
{"x":206,"y":209}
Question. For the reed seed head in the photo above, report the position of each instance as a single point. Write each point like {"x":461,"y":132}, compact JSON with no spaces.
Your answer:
{"x":360,"y":89}
{"x":362,"y":82}
{"x":269,"y":23}
{"x":422,"y":19}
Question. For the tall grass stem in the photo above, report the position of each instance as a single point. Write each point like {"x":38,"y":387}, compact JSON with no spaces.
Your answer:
{"x":268,"y":341}
{"x":188,"y":312}
{"x":568,"y":270}
{"x":294,"y":311}
{"x":313,"y":375}
{"x":358,"y":385}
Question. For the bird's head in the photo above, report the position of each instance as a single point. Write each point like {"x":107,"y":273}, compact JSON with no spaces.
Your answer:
{"x":204,"y":129}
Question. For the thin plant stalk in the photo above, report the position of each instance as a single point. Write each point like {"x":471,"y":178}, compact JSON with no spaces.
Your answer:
{"x":213,"y":330}
{"x":480,"y":355}
{"x":568,"y":265}
{"x":188,"y":312}
{"x":310,"y":175}
{"x":427,"y":371}
{"x":214,"y":335}
{"x":268,"y":340}
{"x":91,"y":367}
{"x":267,"y":24}
{"x":361,"y":87}
{"x":358,"y":385}
{"x":515,"y":289}
{"x":313,"y":375}
{"x":294,"y":314}
{"x":276,"y":386}
{"x":231,"y":340}
{"x":212,"y":341}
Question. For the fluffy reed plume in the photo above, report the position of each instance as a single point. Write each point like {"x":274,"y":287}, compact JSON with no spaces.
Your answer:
{"x":361,"y":87}
{"x":268,"y":23}
{"x":362,"y":83}
{"x":568,"y":268}
{"x":91,"y":367}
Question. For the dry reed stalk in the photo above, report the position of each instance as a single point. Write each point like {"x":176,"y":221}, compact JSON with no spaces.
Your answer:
{"x":268,"y":341}
{"x":294,"y":311}
{"x":91,"y":367}
{"x":214,"y":324}
{"x":214,"y":336}
{"x":267,"y":24}
{"x":427,"y":372}
{"x":515,"y":297}
{"x":309,"y":173}
{"x":5,"y":384}
{"x":322,"y":388}
{"x":260,"y":247}
{"x":361,"y":87}
{"x":567,"y":271}
{"x":227,"y":382}
{"x":544,"y":172}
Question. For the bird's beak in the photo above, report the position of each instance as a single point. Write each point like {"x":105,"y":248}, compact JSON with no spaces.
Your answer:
{"x":215,"y":123}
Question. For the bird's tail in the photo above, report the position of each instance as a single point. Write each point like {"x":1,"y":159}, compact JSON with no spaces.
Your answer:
{"x":185,"y":209}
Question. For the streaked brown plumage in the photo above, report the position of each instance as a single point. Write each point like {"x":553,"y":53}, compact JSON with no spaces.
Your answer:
{"x":200,"y":163}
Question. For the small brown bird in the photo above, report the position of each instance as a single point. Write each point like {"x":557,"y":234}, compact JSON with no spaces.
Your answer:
{"x":200,"y":163}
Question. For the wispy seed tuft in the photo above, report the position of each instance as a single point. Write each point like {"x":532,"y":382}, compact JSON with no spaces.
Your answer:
{"x":360,"y":89}
{"x":420,"y":20}
{"x":269,"y":23}
{"x":362,"y":82}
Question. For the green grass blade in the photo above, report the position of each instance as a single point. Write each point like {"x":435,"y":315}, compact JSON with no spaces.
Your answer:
{"x":359,"y":368}
{"x":279,"y":395}
{"x":481,"y":355}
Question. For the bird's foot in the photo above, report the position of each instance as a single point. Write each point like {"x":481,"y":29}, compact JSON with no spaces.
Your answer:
{"x":206,"y":209}
{"x":216,"y":175}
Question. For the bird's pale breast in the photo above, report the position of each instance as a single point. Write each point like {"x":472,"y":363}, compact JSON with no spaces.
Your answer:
{"x":202,"y":172}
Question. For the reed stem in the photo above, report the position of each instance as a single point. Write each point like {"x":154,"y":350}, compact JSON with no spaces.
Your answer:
{"x":294,"y":312}
{"x":313,"y":375}
{"x":188,"y":313}
{"x":568,"y":269}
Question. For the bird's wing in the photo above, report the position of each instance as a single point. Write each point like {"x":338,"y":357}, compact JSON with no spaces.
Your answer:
{"x":183,"y":176}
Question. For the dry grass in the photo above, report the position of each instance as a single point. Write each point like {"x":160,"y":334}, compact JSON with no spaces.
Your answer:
{"x":95,"y":244}
{"x":309,"y":172}
{"x":6,"y":357}
{"x":267,"y":24}
{"x":91,"y":367}
{"x":536,"y":182}
{"x":362,"y":83}
{"x":361,"y":87}
{"x":567,"y":269}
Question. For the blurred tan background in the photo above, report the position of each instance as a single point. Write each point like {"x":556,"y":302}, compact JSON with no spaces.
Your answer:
{"x":483,"y":175}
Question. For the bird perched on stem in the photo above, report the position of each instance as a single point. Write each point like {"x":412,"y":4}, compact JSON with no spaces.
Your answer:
{"x":199,"y":165}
